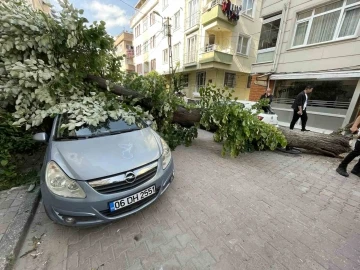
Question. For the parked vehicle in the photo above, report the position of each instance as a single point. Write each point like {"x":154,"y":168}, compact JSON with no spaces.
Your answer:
{"x":94,"y":175}
{"x":268,"y":116}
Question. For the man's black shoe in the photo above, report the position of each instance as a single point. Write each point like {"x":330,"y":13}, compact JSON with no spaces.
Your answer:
{"x":305,"y":130}
{"x":342,"y":172}
{"x":355,"y":172}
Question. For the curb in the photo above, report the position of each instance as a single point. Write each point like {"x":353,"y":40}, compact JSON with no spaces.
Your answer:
{"x":13,"y":238}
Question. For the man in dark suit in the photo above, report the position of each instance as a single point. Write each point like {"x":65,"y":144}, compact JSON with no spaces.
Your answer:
{"x":299,"y":107}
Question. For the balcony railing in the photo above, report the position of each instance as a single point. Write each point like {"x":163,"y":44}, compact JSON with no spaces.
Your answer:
{"x":190,"y":58}
{"x":192,"y":20}
{"x":216,"y":47}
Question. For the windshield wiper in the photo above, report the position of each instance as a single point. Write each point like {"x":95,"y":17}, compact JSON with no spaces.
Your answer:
{"x":69,"y":138}
{"x":109,"y":133}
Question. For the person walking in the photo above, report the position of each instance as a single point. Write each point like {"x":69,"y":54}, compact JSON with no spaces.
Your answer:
{"x":299,"y":107}
{"x":353,"y":154}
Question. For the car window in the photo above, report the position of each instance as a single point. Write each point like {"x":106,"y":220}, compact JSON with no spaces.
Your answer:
{"x":105,"y":128}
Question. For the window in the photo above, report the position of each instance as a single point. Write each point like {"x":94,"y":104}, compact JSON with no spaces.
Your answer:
{"x":138,"y":50}
{"x":229,"y":80}
{"x":268,"y":39}
{"x":176,"y":55}
{"x":177,"y":20}
{"x":146,"y":68}
{"x":152,"y":19}
{"x":145,"y":24}
{"x":165,"y":56}
{"x":165,"y":3}
{"x":243,"y":45}
{"x":248,"y":6}
{"x":137,"y":30}
{"x":336,"y":20}
{"x":139,"y":69}
{"x":190,"y":56}
{"x":146,"y":46}
{"x":200,"y":80}
{"x":248,"y":85}
{"x":152,"y":42}
{"x":193,"y":18}
{"x":153,"y":64}
{"x":185,"y":80}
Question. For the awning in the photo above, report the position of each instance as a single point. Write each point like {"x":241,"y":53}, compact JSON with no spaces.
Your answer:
{"x":317,"y":75}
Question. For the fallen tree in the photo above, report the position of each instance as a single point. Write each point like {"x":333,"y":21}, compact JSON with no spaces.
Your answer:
{"x":329,"y":145}
{"x":60,"y":64}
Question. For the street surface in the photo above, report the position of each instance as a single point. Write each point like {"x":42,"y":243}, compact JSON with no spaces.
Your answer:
{"x":263,"y":210}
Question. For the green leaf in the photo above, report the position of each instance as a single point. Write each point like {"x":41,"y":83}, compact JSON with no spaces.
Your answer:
{"x":4,"y":163}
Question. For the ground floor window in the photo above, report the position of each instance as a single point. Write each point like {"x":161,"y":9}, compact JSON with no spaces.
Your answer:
{"x":229,"y":80}
{"x":327,"y":93}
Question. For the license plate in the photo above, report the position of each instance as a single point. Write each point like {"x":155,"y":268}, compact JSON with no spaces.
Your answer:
{"x":116,"y":205}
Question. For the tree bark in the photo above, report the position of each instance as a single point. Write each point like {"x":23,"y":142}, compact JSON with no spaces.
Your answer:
{"x":328,"y":145}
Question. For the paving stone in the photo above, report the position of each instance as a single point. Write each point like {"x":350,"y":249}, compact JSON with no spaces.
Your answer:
{"x":263,"y":210}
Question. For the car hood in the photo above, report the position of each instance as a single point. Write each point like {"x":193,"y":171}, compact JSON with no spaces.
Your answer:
{"x":98,"y":157}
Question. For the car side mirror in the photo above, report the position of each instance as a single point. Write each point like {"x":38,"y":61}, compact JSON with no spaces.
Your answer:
{"x":149,"y":123}
{"x":41,"y":137}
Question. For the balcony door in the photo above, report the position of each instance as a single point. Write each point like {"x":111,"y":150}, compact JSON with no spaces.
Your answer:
{"x":191,"y":49}
{"x":200,"y":80}
{"x":193,"y":12}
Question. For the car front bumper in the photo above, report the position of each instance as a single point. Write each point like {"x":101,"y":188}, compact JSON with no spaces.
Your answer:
{"x":94,"y":209}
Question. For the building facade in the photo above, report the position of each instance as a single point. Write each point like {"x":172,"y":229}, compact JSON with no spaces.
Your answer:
{"x":40,"y":5}
{"x":124,"y":47}
{"x":310,"y":42}
{"x":209,"y":44}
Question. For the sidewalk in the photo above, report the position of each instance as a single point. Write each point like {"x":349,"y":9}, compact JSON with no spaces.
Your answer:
{"x":262,"y":210}
{"x":16,"y":207}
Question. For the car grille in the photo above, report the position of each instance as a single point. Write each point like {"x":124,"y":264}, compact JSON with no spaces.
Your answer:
{"x":123,"y":185}
{"x":130,"y":207}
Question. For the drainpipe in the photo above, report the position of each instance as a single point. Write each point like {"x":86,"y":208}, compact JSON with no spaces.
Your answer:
{"x":281,"y":35}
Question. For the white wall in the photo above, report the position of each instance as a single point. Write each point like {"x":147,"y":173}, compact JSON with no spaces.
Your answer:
{"x":332,"y":55}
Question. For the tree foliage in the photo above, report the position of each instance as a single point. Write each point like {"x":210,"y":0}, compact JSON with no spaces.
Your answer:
{"x":45,"y":62}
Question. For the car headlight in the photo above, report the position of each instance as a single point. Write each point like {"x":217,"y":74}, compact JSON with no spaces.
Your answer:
{"x":166,"y":154}
{"x":60,"y":184}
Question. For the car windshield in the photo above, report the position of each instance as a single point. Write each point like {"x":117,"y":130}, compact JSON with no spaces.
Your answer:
{"x":110,"y":127}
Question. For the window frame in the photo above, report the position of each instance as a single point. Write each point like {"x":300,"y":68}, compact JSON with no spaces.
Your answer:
{"x":137,"y":69}
{"x":165,"y":59}
{"x":265,"y":21}
{"x":165,"y":4}
{"x":153,"y":64}
{"x":244,"y":11}
{"x":152,"y":18}
{"x":242,"y":40}
{"x":234,"y":79}
{"x":343,"y":9}
{"x":145,"y":22}
{"x":137,"y":30}
{"x":152,"y":41}
{"x":146,"y":46}
{"x":177,"y":45}
{"x":176,"y":27}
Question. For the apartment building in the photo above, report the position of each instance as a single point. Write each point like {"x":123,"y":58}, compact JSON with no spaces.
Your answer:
{"x":124,"y":47}
{"x":41,"y":5}
{"x":310,"y":42}
{"x":208,"y":44}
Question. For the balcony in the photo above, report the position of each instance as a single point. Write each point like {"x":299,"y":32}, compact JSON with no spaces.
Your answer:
{"x":190,"y":59}
{"x":216,"y":53}
{"x":213,"y":13}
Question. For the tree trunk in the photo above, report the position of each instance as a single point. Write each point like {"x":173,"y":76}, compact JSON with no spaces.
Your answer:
{"x":328,"y":145}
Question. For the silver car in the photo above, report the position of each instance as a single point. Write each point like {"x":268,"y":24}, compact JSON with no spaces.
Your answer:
{"x":94,"y":175}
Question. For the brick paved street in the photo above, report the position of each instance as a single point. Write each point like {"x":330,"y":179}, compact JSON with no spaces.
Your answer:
{"x":264,"y":210}
{"x":10,"y":201}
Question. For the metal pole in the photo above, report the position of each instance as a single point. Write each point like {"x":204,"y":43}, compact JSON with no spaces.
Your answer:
{"x":170,"y":45}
